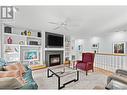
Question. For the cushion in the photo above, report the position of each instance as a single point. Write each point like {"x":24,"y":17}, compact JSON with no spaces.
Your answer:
{"x":14,"y":73}
{"x":122,"y":75}
{"x":15,"y":66}
{"x":121,"y":71}
{"x":87,"y":57}
{"x":2,"y":62}
{"x":114,"y":84}
{"x":9,"y":83}
{"x":120,"y":78}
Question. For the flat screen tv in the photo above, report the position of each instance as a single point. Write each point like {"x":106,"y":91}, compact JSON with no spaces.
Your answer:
{"x":54,"y":40}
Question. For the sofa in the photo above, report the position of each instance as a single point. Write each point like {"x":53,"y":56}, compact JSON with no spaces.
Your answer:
{"x":27,"y":76}
{"x":118,"y":80}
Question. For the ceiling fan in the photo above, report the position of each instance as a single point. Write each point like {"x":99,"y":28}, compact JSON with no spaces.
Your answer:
{"x":60,"y":25}
{"x":64,"y":24}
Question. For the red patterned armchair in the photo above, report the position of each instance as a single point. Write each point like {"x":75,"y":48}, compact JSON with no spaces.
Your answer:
{"x":86,"y":63}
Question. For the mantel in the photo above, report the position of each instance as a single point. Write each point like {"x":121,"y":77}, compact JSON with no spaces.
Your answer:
{"x":54,"y":49}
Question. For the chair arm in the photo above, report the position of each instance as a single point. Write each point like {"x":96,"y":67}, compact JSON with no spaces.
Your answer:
{"x":117,"y":78}
{"x":89,"y":63}
{"x":123,"y":72}
{"x":79,"y":61}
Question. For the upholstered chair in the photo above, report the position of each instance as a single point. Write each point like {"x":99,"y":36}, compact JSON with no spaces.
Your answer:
{"x":86,"y":63}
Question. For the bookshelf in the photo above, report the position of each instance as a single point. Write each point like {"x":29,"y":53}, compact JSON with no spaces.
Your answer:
{"x":67,"y":47}
{"x":21,"y":45}
{"x":0,"y":39}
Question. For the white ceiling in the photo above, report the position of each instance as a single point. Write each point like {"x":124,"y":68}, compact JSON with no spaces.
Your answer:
{"x":83,"y":21}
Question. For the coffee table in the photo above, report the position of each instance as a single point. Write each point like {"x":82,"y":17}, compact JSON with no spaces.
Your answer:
{"x":62,"y":71}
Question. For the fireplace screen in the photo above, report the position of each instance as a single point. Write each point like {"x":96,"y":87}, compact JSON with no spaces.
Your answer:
{"x":54,"y":59}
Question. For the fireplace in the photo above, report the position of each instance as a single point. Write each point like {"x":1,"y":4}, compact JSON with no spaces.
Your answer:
{"x":54,"y":59}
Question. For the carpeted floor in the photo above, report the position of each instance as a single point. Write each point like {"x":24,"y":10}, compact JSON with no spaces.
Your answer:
{"x":85,"y":82}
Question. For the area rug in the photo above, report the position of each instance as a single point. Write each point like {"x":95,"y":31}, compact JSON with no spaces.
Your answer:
{"x":88,"y":82}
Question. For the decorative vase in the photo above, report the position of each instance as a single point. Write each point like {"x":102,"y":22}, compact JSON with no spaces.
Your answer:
{"x":25,"y":32}
{"x":39,"y":34}
{"x":22,"y":33}
{"x":29,"y":33}
{"x":9,"y":40}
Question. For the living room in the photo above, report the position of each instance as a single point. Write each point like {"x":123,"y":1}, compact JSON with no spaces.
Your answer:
{"x":47,"y":47}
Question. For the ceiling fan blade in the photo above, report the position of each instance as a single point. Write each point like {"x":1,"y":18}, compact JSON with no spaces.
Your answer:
{"x":56,"y":28}
{"x":73,"y":25}
{"x":52,"y":22}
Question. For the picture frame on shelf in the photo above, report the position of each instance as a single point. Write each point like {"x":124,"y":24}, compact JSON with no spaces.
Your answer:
{"x":7,"y":29}
{"x":119,"y":47}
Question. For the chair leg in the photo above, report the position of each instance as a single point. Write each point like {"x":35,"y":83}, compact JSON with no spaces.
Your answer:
{"x":75,"y":67}
{"x":86,"y":73}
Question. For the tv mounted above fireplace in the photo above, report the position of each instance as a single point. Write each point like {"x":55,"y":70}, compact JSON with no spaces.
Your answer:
{"x":53,"y":40}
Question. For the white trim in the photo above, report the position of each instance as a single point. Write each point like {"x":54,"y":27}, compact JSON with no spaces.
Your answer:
{"x":54,"y":49}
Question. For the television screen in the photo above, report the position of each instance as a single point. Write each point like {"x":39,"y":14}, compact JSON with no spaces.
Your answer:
{"x":54,"y":40}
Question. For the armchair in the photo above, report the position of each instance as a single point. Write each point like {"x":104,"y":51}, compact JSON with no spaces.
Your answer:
{"x":86,"y":63}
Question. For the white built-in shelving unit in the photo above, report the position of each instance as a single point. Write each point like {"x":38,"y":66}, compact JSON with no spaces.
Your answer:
{"x":15,"y":52}
{"x":67,"y":47}
{"x":0,"y":39}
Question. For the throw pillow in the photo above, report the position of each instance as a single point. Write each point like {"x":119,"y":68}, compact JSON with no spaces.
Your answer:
{"x":9,"y":83}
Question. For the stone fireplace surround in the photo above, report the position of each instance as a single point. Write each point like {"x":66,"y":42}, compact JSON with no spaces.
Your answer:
{"x":52,"y":52}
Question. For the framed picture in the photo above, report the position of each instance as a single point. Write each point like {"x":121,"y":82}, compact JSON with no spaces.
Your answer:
{"x":80,"y":48}
{"x":95,"y":46}
{"x":31,"y":55}
{"x":119,"y":47}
